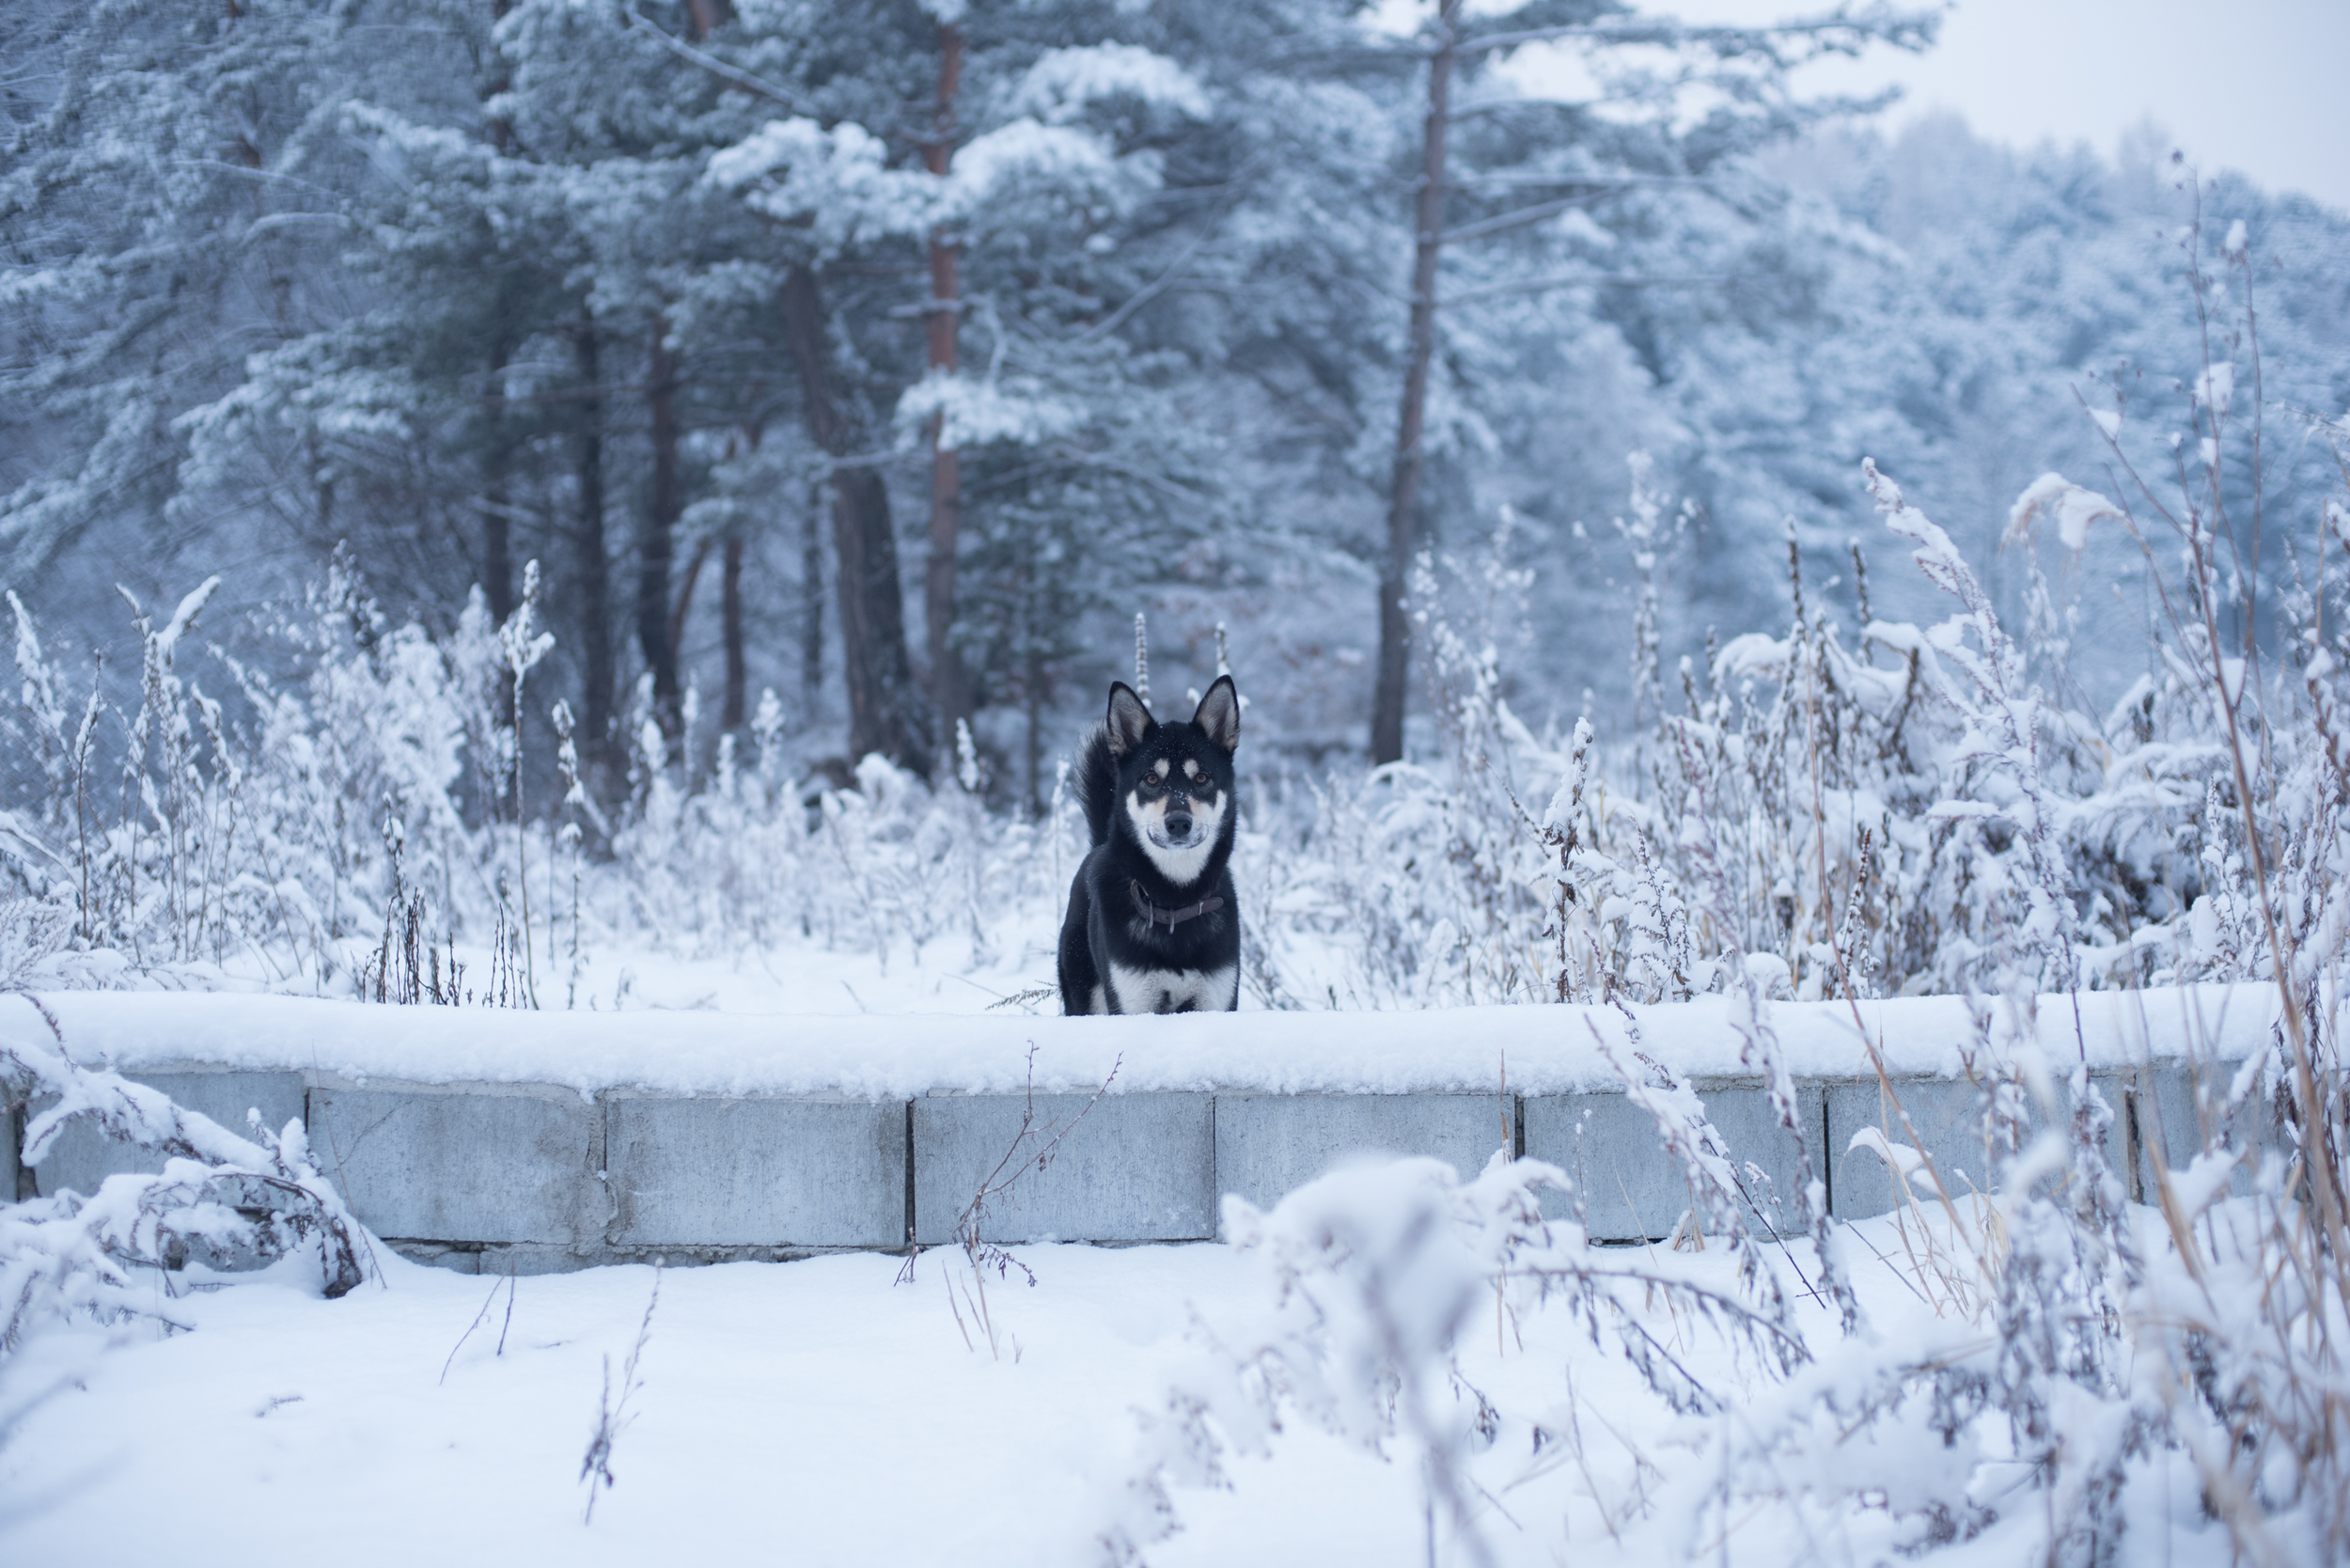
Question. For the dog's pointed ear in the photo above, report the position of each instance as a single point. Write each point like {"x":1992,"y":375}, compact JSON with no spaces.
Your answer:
{"x":1130,"y":722}
{"x":1219,"y":713}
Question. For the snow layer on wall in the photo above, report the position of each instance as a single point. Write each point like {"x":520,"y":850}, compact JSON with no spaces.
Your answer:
{"x":1548,"y":1049}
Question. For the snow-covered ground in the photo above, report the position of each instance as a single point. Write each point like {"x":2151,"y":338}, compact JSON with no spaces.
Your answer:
{"x":816,"y":1412}
{"x":808,"y":978}
{"x":809,"y":1411}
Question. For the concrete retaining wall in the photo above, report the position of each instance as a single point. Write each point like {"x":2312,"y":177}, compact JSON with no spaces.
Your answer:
{"x":530,"y":1177}
{"x":82,"y":1157}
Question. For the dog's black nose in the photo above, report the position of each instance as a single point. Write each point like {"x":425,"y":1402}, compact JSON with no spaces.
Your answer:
{"x":1178,"y":826}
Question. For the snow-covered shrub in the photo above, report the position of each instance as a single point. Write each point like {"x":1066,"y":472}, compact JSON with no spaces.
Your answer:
{"x":1869,"y":817}
{"x":2054,"y":1371}
{"x":272,"y":838}
{"x":716,"y":863}
{"x":219,"y":1199}
{"x":1369,"y":1280}
{"x":1878,"y":818}
{"x":346,"y":830}
{"x":1812,"y":813}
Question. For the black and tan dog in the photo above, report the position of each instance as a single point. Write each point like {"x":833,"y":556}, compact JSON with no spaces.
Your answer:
{"x":1153,"y":923}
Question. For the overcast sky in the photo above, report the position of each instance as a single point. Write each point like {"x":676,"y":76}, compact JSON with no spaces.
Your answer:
{"x":2253,"y":85}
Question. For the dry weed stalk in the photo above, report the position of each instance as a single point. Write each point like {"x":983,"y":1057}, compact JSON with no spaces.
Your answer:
{"x":595,"y":1467}
{"x":979,"y":1254}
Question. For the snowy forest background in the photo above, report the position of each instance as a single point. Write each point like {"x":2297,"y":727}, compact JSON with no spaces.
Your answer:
{"x":846,"y":374}
{"x":563,"y":504}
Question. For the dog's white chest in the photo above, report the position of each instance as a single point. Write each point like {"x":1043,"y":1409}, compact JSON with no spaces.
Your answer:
{"x":1175,"y":990}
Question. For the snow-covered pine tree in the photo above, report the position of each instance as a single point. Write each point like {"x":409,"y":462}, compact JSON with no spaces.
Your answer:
{"x":168,"y":193}
{"x":1018,"y":189}
{"x":1495,"y":160}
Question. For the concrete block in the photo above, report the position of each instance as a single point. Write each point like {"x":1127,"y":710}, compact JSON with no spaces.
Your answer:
{"x":1138,"y":1167}
{"x":2115,"y":1086}
{"x":1632,"y":1188}
{"x":1268,"y":1145}
{"x":464,"y":1162}
{"x":526,"y":1259}
{"x":456,"y":1259}
{"x":83,"y":1157}
{"x":1947,"y":1115}
{"x":757,"y":1172}
{"x":2181,"y":1107}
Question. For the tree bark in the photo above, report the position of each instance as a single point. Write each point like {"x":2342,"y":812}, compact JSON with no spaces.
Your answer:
{"x":731,"y":714}
{"x":1387,"y":701}
{"x":729,"y":617}
{"x":949,"y":693}
{"x":498,"y":526}
{"x":498,"y":533}
{"x":1032,"y":681}
{"x":812,"y":602}
{"x":657,"y":547}
{"x":884,"y":705}
{"x":687,"y":585}
{"x":730,"y":608}
{"x":497,"y":549}
{"x":595,"y":565}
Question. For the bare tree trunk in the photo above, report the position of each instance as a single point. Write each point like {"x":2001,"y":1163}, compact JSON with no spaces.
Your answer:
{"x":1387,"y":702}
{"x":731,"y":611}
{"x":1032,"y":680}
{"x":884,"y":705}
{"x":812,"y":601}
{"x":1033,"y":691}
{"x":497,"y":528}
{"x":949,"y":695}
{"x":595,"y":565}
{"x":498,"y":535}
{"x":748,"y":435}
{"x":655,"y":547}
{"x":686,"y":587}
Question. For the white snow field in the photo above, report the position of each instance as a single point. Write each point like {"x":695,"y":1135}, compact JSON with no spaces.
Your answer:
{"x":805,"y":1413}
{"x":816,"y":1413}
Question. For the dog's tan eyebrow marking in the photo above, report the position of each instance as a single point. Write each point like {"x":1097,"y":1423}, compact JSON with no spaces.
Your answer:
{"x":1191,"y":767}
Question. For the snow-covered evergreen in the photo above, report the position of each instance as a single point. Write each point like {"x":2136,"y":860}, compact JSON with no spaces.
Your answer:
{"x":460,"y":286}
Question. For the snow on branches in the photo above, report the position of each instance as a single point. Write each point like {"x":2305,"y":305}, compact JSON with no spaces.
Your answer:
{"x":220,"y":1201}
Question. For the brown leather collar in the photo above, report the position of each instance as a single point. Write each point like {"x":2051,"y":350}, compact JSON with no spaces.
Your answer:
{"x":1170,"y":918}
